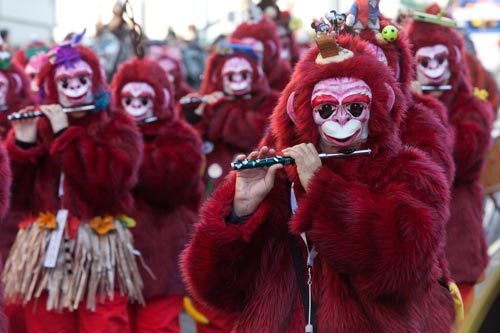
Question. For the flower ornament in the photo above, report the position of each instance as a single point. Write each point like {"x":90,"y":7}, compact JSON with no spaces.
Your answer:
{"x":103,"y":225}
{"x":66,"y":54}
{"x":47,"y":220}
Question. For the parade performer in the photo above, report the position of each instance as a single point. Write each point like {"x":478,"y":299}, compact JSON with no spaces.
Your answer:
{"x":32,"y":58}
{"x":73,"y":264}
{"x":168,"y":193}
{"x":441,"y":65}
{"x":347,"y":244}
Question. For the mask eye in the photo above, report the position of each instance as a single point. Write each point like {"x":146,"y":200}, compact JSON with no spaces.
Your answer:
{"x":32,"y":76}
{"x":230,"y":77}
{"x":244,"y":75}
{"x":128,"y":101}
{"x":64,"y":83}
{"x":82,"y":79}
{"x":144,"y":101}
{"x":355,"y":109}
{"x":326,"y":110}
{"x":424,"y":63}
{"x":440,"y":59}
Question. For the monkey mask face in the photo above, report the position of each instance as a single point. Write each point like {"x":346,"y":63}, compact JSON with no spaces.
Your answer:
{"x":138,"y":99}
{"x":170,"y":67}
{"x":341,"y":110}
{"x":237,"y":75}
{"x":433,"y":67}
{"x":4,"y":88}
{"x":74,"y":84}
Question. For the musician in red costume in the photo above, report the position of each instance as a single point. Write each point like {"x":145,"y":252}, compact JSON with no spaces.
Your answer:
{"x":373,"y":231}
{"x":440,"y":58}
{"x":73,"y":264}
{"x":15,"y":94}
{"x":263,"y":35}
{"x":5,"y":183}
{"x":168,"y":193}
{"x":236,"y":105}
{"x":170,"y":59}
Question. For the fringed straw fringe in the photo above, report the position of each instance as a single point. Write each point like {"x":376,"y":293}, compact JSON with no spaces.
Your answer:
{"x":97,"y":262}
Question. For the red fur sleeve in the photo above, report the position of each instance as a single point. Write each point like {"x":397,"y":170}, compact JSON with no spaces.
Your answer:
{"x":171,"y":167}
{"x":220,"y":263}
{"x":386,"y":237}
{"x":472,"y":121}
{"x":102,"y":165}
{"x":23,"y":166}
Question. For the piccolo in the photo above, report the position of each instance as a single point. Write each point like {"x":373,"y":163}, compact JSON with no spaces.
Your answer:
{"x":34,"y":114}
{"x":435,"y":88}
{"x":265,"y":162}
{"x":192,"y":100}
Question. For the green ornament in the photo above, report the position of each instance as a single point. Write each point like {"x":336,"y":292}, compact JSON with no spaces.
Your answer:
{"x":390,"y":33}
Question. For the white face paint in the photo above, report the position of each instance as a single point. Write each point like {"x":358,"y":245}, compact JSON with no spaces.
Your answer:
{"x":138,"y":99}
{"x":341,"y":110}
{"x":433,"y":65}
{"x":237,"y":76}
{"x":169,"y":67}
{"x":74,"y":85}
{"x":4,"y":88}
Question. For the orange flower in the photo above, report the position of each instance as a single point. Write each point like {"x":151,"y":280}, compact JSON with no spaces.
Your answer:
{"x":47,"y":220}
{"x":103,"y":225}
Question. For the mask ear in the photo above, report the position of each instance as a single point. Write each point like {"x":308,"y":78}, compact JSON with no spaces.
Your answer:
{"x":457,"y":51}
{"x":289,"y":107}
{"x":391,"y":97}
{"x":272,"y":47}
{"x":19,"y":82}
{"x":166,"y":103}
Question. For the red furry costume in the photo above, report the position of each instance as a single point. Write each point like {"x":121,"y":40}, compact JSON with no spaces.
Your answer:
{"x":18,"y":95}
{"x":167,"y":197}
{"x":5,"y":183}
{"x":277,"y":70}
{"x":99,"y":155}
{"x":471,"y":121}
{"x":425,"y":124}
{"x":236,"y":124}
{"x":375,"y":227}
{"x":171,"y":58}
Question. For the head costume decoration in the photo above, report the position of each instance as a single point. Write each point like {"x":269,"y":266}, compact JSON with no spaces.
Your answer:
{"x":235,"y":70}
{"x":354,"y":103}
{"x":142,"y":89}
{"x":73,"y":76}
{"x":439,"y":52}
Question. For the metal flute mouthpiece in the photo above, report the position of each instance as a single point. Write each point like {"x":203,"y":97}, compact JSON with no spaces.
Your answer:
{"x":265,"y":162}
{"x":34,"y":114}
{"x":435,"y":88}
{"x":192,"y":100}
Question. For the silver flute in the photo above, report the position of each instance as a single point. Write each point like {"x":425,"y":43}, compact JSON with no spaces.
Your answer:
{"x":34,"y":114}
{"x":265,"y":162}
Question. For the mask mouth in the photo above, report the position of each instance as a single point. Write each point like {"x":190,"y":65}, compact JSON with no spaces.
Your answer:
{"x":341,"y":142}
{"x":435,"y":76}
{"x":77,"y":99}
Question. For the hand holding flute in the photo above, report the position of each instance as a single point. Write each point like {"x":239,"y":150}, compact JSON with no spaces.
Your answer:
{"x":25,"y":123}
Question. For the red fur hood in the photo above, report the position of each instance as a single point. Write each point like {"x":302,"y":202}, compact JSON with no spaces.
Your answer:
{"x":147,"y":71}
{"x":22,"y":97}
{"x":212,"y":80}
{"x":383,"y":123}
